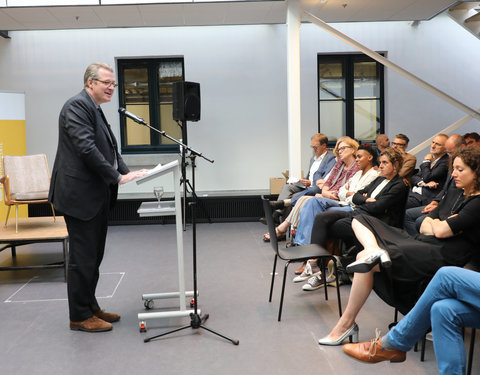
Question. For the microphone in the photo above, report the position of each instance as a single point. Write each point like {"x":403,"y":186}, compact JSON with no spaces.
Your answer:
{"x":135,"y":118}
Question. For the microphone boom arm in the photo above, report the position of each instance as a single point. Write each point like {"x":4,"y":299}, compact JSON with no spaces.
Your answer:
{"x":140,"y":121}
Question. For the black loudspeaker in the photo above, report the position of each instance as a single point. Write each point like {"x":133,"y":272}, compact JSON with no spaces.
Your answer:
{"x":186,"y":101}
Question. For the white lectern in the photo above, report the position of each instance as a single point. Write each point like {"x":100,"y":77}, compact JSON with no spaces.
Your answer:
{"x":164,"y":209}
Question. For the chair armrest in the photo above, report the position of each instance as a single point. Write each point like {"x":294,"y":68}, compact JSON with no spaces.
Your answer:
{"x":6,"y":189}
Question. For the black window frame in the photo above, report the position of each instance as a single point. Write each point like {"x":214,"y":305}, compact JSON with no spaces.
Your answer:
{"x":347,"y":60}
{"x":152,"y":64}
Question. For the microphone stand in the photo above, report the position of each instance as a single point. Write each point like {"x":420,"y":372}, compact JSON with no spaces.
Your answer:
{"x":196,"y":320}
{"x":186,"y":183}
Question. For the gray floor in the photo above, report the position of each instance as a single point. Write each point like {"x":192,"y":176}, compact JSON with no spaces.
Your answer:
{"x":233,"y":279}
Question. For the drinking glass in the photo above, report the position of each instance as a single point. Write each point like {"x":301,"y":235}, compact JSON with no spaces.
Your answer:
{"x":158,"y":192}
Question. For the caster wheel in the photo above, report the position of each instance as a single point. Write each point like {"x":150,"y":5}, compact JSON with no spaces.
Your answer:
{"x":143,"y":327}
{"x":148,"y":304}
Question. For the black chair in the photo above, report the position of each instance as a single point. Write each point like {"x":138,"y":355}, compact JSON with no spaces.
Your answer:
{"x":297,"y":254}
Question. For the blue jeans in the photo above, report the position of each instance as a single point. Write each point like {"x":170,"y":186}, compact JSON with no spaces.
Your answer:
{"x":451,"y":301}
{"x":413,"y":220}
{"x":310,"y":209}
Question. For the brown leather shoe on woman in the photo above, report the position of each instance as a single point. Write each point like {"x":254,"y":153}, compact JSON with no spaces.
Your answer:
{"x":373,"y":351}
{"x":92,"y":324}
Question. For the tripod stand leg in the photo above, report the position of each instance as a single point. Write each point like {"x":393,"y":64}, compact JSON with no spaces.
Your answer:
{"x":233,"y":341}
{"x":148,"y":339}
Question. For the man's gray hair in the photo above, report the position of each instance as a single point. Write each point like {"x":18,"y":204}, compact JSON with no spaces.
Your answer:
{"x":92,"y":72}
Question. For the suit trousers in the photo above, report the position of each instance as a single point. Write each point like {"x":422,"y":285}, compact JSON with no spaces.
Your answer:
{"x":333,"y":224}
{"x":86,"y":250}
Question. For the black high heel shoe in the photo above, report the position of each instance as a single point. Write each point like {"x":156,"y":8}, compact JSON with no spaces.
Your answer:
{"x":366,"y":263}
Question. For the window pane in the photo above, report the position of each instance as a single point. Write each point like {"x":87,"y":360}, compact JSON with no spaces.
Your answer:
{"x":168,"y":72}
{"x":136,"y":101}
{"x":331,"y":81}
{"x":332,"y":119}
{"x":366,"y":119}
{"x":366,"y":83}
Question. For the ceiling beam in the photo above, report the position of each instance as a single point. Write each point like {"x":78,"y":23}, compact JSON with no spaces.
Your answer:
{"x":4,"y":34}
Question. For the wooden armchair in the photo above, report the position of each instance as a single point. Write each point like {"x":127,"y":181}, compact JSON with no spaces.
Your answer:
{"x":26,"y":180}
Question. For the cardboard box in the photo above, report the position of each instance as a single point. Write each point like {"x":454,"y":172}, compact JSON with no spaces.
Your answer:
{"x":276,"y":184}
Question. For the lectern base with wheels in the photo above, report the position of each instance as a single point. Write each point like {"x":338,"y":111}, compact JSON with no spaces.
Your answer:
{"x":166,"y":209}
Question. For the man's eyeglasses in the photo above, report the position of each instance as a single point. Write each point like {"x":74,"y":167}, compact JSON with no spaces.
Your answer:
{"x":399,"y":144}
{"x":107,"y":83}
{"x":341,"y":149}
{"x":315,"y":147}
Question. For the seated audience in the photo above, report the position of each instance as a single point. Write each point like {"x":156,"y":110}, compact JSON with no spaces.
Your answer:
{"x":384,"y":198}
{"x":341,"y":172}
{"x":472,"y":139}
{"x":365,"y":160}
{"x":399,"y":266}
{"x":320,"y":165}
{"x":400,"y":143}
{"x":450,"y":303}
{"x":429,"y":179}
{"x":414,"y":216}
{"x":382,"y":143}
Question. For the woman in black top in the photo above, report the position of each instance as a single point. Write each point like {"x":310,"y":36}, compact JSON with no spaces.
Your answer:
{"x":400,"y":266}
{"x":384,"y":198}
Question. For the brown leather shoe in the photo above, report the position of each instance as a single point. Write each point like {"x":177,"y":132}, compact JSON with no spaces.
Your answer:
{"x":92,"y":324}
{"x":108,"y":317}
{"x":372,"y":351}
{"x":300,"y":270}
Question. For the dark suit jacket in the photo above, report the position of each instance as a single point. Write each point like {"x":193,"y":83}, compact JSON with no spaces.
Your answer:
{"x":83,"y":176}
{"x":390,"y":203}
{"x":438,"y":174}
{"x":324,"y":168}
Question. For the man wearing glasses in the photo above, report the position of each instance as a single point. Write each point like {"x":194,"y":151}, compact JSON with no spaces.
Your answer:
{"x":400,"y":143}
{"x":84,"y":184}
{"x":320,"y":165}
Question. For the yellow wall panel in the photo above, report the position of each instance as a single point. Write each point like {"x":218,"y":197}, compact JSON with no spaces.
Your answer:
{"x":12,"y":142}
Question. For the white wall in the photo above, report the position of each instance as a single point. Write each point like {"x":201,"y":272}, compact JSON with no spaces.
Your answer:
{"x":242,"y":74}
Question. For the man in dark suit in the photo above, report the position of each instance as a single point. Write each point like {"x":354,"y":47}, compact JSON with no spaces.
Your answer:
{"x":85,"y":178}
{"x":429,"y":179}
{"x":320,"y":165}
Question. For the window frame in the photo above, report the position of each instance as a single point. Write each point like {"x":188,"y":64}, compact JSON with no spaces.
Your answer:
{"x":152,"y":64}
{"x":348,"y":60}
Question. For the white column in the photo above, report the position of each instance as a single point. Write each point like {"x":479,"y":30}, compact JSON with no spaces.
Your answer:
{"x":293,"y":87}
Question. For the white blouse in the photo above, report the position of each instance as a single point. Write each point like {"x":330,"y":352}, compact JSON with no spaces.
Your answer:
{"x":357,"y":182}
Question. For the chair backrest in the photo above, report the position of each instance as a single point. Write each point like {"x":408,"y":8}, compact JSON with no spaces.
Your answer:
{"x":271,"y":225}
{"x":29,"y":176}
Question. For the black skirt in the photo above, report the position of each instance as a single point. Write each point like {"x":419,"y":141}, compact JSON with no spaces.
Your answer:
{"x":414,"y":262}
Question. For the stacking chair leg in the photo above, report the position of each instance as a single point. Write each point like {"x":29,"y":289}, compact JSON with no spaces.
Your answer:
{"x":470,"y":351}
{"x":424,"y":343}
{"x":324,"y":274}
{"x":8,"y":214}
{"x":283,"y":290}
{"x":273,"y":278}
{"x":335,"y":270}
{"x":16,"y":218}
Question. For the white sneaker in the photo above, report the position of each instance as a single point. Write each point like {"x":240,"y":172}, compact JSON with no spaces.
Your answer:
{"x":311,"y":269}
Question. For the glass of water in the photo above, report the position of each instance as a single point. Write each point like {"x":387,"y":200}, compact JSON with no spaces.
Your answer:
{"x":158,"y":192}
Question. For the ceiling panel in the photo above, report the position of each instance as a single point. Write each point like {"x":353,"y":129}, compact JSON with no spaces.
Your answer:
{"x":34,"y":18}
{"x":218,"y":13}
{"x":205,"y":14}
{"x":120,"y":16}
{"x":77,"y":17}
{"x":166,"y":15}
